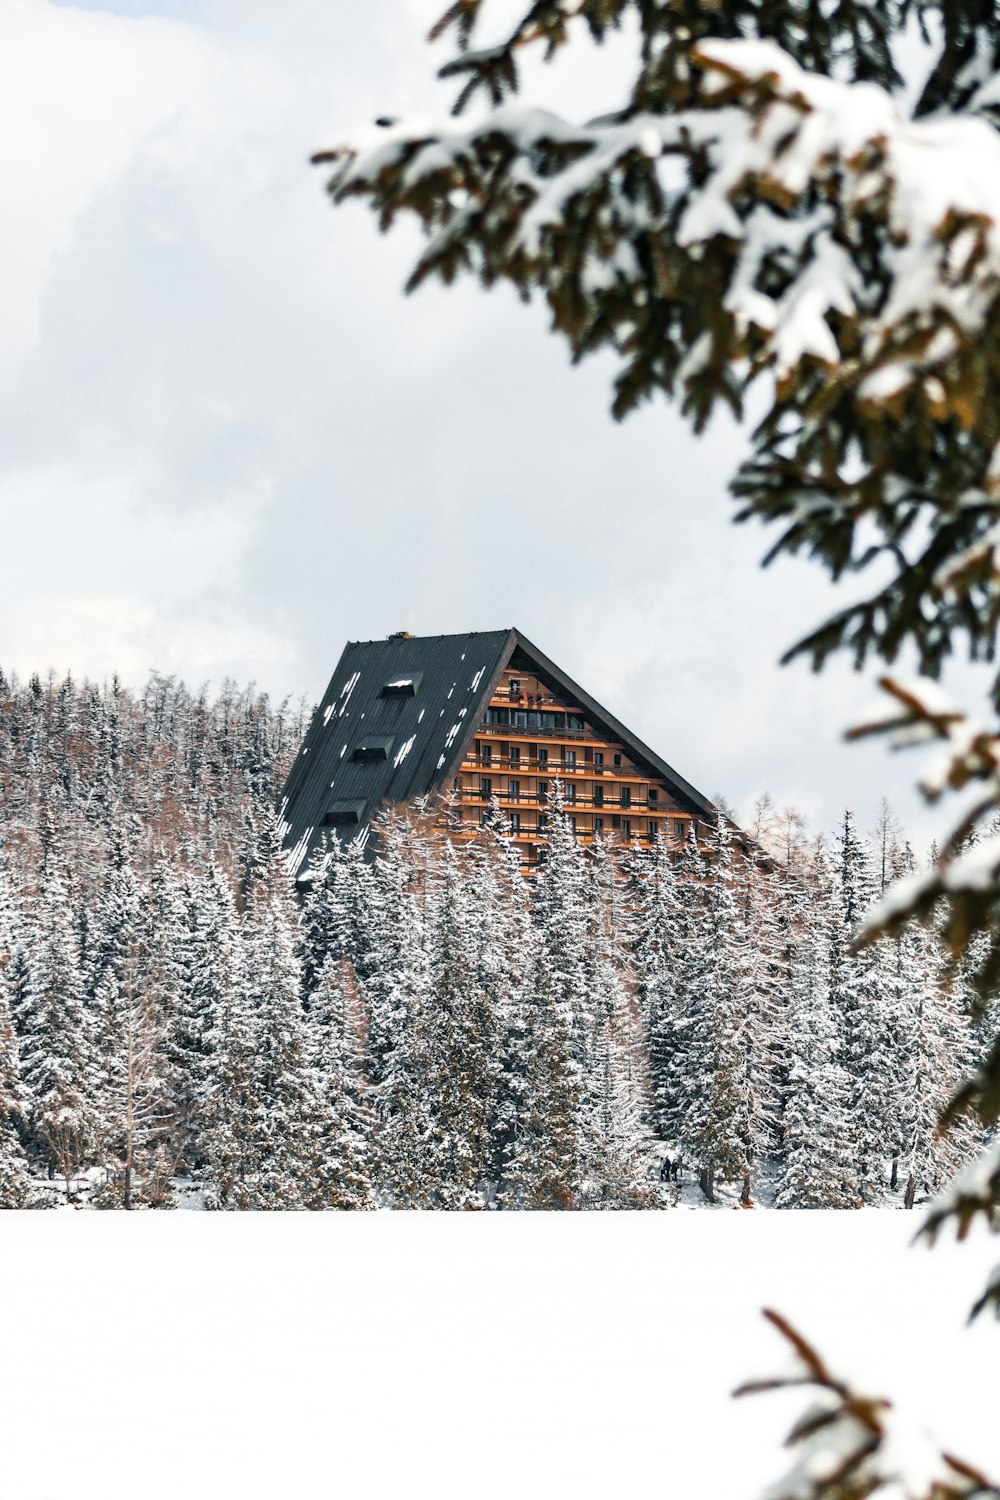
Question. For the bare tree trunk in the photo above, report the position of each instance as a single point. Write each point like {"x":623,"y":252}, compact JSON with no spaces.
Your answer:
{"x":894,"y":1175}
{"x":706,"y":1181}
{"x":911,"y":1191}
{"x":745,"y":1198}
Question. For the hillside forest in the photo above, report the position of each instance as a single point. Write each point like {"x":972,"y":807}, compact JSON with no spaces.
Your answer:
{"x":631,"y":1027}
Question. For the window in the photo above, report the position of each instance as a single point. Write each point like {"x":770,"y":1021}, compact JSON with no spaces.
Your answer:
{"x":654,"y":795}
{"x":598,"y":825}
{"x":515,"y":754}
{"x":680,"y":828}
{"x":487,"y":753}
{"x":515,"y":822}
{"x":571,"y":791}
{"x":514,"y":791}
{"x":498,"y":716}
{"x":519,"y":718}
{"x":485,"y":788}
{"x":618,"y":758}
{"x":572,"y":825}
{"x":543,"y":757}
{"x":626,"y":828}
{"x":515,"y":687}
{"x":626,"y":796}
{"x":402,"y":687}
{"x":598,"y":796}
{"x":573,"y":721}
{"x":598,"y":760}
{"x":651,"y":830}
{"x":373,"y":747}
{"x":569,"y":759}
{"x":543,"y":822}
{"x":543,"y":791}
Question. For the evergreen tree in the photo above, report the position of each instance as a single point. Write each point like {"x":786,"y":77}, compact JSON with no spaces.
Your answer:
{"x":264,"y":1129}
{"x":337,"y":1031}
{"x":818,"y":1148}
{"x":549,"y":1053}
{"x":866,"y":1021}
{"x":400,"y":1003}
{"x":14,"y":1183}
{"x":464,"y":1033}
{"x":58,"y":1057}
{"x":202,"y":939}
{"x":616,"y":1112}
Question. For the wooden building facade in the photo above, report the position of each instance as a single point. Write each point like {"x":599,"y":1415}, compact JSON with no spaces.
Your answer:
{"x":481,"y":716}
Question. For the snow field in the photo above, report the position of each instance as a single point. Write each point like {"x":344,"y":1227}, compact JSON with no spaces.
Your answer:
{"x":302,"y":1355}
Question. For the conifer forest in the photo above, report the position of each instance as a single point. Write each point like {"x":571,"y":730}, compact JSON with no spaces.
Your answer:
{"x":632,"y":1027}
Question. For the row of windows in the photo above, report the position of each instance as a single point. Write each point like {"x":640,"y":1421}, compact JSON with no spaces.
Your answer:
{"x":540,"y":755}
{"x":626,"y":828}
{"x":525,"y":718}
{"x":572,"y":792}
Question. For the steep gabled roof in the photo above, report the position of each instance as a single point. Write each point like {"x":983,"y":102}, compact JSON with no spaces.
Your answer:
{"x":419,"y":698}
{"x":398,"y":717}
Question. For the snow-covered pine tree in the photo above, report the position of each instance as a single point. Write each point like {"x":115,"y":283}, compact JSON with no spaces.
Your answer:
{"x":858,"y":990}
{"x":713,"y":1067}
{"x":551,"y":1036}
{"x":337,"y":1034}
{"x":666,"y":895}
{"x":818,"y":1151}
{"x":264,"y":1127}
{"x":463,"y":1038}
{"x":137,"y":1118}
{"x":14,"y":1180}
{"x":336,"y":915}
{"x":401,"y":1013}
{"x":933,"y":1029}
{"x":615,"y":1145}
{"x":505,"y":966}
{"x":760,"y":1003}
{"x":212,"y":966}
{"x":60,"y":1067}
{"x":13,"y":1162}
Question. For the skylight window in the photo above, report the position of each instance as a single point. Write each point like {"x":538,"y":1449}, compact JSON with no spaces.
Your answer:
{"x":402,"y":687}
{"x":373,"y":747}
{"x":341,"y":811}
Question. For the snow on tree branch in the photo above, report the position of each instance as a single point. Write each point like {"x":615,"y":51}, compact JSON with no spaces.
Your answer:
{"x":770,"y":220}
{"x":849,"y":1445}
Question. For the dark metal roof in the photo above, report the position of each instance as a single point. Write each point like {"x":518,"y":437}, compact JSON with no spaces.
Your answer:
{"x":453,"y":676}
{"x":425,"y":733}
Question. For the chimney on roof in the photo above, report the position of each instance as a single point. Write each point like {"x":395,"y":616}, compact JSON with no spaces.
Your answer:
{"x":400,"y":635}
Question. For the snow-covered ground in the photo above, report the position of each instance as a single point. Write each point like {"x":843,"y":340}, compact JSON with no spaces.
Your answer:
{"x":215,"y":1355}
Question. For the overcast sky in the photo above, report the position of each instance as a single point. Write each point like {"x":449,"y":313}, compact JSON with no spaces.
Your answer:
{"x":228,"y":443}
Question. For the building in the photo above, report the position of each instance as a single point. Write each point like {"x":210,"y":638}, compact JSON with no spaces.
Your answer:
{"x":481,"y":715}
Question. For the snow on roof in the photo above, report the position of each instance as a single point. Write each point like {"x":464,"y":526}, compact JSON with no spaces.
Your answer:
{"x":404,"y":750}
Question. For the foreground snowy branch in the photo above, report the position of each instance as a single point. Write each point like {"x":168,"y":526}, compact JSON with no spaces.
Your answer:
{"x":849,"y":1445}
